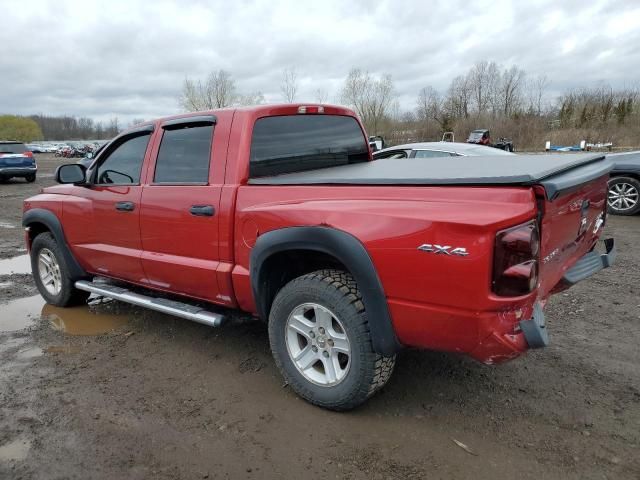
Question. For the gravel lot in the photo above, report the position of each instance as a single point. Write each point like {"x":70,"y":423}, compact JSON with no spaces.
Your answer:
{"x":113,"y":391}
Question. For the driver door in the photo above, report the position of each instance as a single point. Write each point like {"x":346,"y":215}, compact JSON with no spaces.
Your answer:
{"x":111,"y":211}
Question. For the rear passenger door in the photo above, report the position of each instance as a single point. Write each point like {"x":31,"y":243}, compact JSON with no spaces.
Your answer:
{"x":180,"y":210}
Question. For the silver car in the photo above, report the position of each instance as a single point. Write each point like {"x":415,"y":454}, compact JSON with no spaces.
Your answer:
{"x":438,"y":149}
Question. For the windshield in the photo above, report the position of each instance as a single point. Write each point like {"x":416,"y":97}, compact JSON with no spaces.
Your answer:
{"x":12,"y":148}
{"x":476,"y":135}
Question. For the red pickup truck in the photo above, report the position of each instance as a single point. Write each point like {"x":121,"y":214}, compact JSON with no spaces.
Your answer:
{"x":280,"y":212}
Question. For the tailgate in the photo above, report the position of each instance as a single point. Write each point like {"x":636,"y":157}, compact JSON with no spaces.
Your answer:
{"x":572,"y":221}
{"x":15,"y":160}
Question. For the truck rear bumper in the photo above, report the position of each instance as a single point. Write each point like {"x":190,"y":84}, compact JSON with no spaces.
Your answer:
{"x":531,"y":333}
{"x":489,"y":337}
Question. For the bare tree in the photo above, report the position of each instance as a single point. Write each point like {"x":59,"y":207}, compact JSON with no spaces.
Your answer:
{"x":431,"y":106}
{"x":536,"y":89}
{"x":217,"y":91}
{"x":370,"y":97}
{"x":510,"y":91}
{"x":484,"y":80}
{"x":459,"y":97}
{"x":289,"y":87}
{"x":321,"y":95}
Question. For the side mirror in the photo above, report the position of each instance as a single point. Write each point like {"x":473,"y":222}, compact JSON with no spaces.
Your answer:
{"x":70,"y":173}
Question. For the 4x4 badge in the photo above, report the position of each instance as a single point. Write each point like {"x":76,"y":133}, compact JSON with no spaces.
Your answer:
{"x":443,"y":249}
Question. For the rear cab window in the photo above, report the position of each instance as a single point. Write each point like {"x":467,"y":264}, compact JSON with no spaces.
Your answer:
{"x":184,"y":155}
{"x":295,"y":143}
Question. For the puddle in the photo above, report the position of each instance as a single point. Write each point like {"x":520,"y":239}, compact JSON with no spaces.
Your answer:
{"x":20,"y":264}
{"x":20,"y":313}
{"x":82,"y":320}
{"x":16,"y":450}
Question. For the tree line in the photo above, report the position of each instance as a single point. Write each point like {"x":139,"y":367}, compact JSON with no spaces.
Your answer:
{"x":67,"y":127}
{"x":504,"y":99}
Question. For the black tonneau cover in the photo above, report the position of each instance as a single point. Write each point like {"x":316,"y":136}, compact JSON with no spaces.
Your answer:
{"x":555,"y":172}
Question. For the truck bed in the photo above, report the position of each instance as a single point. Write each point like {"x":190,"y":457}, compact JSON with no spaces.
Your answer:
{"x":555,"y":172}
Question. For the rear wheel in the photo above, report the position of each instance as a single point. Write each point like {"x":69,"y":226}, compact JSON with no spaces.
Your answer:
{"x":624,"y":196}
{"x":30,"y":178}
{"x":51,"y":274}
{"x":321,"y":342}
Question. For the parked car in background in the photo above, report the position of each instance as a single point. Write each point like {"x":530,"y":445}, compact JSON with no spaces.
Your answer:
{"x":35,"y":148}
{"x":89,"y":157}
{"x":16,"y":161}
{"x":437,"y":149}
{"x":624,"y":185}
{"x":376,"y":142}
{"x":482,"y":136}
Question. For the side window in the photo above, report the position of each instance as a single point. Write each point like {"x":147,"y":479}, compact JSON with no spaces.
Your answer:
{"x":430,"y":154}
{"x":393,"y":154}
{"x":123,"y":165}
{"x":184,"y":155}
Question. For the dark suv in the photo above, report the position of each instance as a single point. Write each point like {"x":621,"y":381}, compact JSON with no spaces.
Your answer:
{"x":16,"y":161}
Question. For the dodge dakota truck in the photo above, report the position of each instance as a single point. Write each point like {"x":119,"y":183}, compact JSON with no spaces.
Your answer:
{"x":280,"y":211}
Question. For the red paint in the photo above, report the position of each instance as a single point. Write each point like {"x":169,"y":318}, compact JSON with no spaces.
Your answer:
{"x":436,"y":301}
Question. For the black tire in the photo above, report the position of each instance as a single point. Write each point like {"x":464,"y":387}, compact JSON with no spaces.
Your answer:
{"x":68,"y":295}
{"x":30,"y":178}
{"x":615,"y":203}
{"x":338,"y":292}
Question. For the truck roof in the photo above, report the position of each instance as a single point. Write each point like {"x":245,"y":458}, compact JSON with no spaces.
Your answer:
{"x":260,"y":110}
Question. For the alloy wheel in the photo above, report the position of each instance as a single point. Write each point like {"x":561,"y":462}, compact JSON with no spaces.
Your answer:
{"x":49,"y":271}
{"x":318,"y":344}
{"x":623,"y":196}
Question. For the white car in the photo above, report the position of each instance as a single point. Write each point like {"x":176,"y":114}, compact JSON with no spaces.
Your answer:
{"x":438,"y":149}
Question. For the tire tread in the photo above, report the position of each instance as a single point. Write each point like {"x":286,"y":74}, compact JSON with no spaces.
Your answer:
{"x":376,"y":369}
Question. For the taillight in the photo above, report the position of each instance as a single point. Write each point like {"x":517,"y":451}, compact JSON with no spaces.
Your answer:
{"x":28,"y":154}
{"x":515,"y":260}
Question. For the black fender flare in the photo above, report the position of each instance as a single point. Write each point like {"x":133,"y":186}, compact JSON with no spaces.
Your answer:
{"x":49,"y":220}
{"x":349,"y":251}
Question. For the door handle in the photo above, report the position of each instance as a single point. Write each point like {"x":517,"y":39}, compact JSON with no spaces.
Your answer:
{"x":125,"y":206}
{"x":202,"y":210}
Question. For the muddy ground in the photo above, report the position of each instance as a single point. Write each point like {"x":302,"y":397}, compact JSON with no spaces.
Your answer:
{"x":112,"y":391}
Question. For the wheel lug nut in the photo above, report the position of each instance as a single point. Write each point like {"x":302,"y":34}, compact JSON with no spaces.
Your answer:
{"x":314,"y":348}
{"x":312,"y":334}
{"x":330,"y":342}
{"x":321,"y":330}
{"x":325,"y":353}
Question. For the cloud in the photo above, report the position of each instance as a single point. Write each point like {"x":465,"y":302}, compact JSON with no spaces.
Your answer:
{"x":129,"y":58}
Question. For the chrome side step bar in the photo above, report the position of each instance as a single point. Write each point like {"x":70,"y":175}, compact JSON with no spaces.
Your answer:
{"x":171,"y":307}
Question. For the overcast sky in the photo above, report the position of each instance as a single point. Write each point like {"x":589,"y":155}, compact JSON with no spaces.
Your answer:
{"x":129,"y":58}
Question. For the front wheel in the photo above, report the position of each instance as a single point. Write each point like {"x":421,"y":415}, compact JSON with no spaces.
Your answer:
{"x":51,"y":274}
{"x":623,"y":197}
{"x":321,"y":341}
